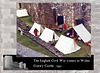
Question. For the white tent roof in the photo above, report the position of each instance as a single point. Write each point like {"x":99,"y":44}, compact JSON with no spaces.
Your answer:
{"x":82,"y":32}
{"x":38,"y":27}
{"x":66,"y":45}
{"x":48,"y":35}
{"x":22,"y":12}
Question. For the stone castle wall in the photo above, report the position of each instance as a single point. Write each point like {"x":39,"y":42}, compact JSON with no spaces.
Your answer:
{"x":46,"y":13}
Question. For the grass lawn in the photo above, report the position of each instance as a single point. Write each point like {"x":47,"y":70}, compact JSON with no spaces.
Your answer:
{"x":58,"y":33}
{"x":27,"y":20}
{"x":29,"y":43}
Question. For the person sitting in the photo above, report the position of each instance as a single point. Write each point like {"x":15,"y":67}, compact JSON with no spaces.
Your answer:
{"x":19,"y":29}
{"x":27,"y":27}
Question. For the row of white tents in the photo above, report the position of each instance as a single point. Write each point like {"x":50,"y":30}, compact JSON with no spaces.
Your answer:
{"x":46,"y":34}
{"x":64,"y":44}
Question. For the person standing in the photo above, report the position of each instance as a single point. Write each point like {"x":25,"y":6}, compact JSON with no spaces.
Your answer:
{"x":35,"y":32}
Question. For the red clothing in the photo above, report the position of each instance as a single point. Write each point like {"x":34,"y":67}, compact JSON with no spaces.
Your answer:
{"x":50,"y":41}
{"x":64,"y":26}
{"x":76,"y":36}
{"x":35,"y":31}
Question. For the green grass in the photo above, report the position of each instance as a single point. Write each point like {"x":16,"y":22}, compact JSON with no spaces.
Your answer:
{"x":58,"y":33}
{"x":29,"y":43}
{"x":23,"y":27}
{"x":27,"y":20}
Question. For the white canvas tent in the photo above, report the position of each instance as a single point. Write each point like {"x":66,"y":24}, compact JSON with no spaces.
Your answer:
{"x":82,"y":32}
{"x":48,"y":35}
{"x":66,"y":45}
{"x":38,"y":27}
{"x":22,"y":13}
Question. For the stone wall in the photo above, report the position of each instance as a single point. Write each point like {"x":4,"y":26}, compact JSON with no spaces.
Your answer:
{"x":46,"y":13}
{"x":41,"y":13}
